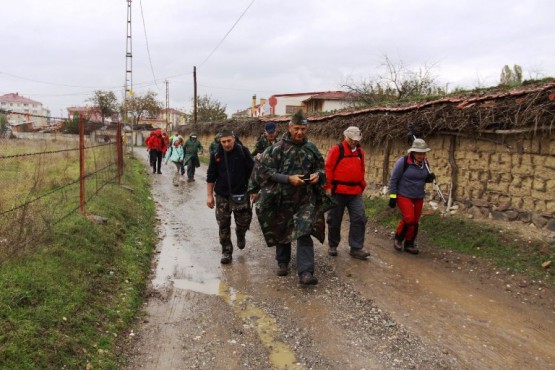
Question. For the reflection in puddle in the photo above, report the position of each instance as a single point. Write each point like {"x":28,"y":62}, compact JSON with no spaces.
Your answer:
{"x":206,"y":287}
{"x":281,"y":356}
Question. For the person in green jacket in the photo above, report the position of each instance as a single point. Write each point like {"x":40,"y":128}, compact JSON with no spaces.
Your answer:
{"x":214,"y":145}
{"x":192,"y":147}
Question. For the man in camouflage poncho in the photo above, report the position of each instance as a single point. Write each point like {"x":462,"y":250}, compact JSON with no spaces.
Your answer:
{"x":289,"y":179}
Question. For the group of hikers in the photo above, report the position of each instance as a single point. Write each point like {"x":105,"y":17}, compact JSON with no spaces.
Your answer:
{"x":182,"y":153}
{"x":295,"y":191}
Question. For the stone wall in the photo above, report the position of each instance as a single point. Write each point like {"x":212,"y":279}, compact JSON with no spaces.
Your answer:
{"x":508,"y":177}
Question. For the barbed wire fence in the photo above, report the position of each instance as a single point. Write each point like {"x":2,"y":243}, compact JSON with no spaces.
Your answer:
{"x":45,"y":178}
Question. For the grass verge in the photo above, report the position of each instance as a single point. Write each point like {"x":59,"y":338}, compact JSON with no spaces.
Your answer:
{"x":506,"y":250}
{"x":65,"y":304}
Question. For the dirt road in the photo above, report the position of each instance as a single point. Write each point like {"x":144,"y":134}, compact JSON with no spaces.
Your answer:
{"x":394,"y":311}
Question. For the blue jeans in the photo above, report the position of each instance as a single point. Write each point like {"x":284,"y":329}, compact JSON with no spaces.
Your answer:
{"x":305,"y":254}
{"x":357,"y":216}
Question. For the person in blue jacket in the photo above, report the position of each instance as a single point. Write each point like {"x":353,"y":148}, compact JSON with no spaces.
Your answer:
{"x":406,"y":188}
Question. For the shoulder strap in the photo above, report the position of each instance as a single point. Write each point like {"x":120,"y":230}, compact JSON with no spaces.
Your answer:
{"x":341,"y":155}
{"x":405,"y":163}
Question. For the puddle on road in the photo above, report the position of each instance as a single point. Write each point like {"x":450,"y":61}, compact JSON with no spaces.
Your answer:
{"x":181,"y":268}
{"x":210,"y":287}
{"x":281,"y":355}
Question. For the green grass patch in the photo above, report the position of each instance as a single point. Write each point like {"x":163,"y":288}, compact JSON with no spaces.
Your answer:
{"x":66,"y":303}
{"x":506,"y":250}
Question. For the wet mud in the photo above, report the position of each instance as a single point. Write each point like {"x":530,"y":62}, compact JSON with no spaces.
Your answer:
{"x":394,"y":311}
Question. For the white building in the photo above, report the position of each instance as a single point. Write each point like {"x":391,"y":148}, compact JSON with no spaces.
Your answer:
{"x":310,"y":102}
{"x":24,"y":110}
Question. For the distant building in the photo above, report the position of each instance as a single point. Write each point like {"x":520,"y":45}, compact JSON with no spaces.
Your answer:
{"x":24,"y":110}
{"x":310,"y":102}
{"x":327,"y":102}
{"x":173,"y":117}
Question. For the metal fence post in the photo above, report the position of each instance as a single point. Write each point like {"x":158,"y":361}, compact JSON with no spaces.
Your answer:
{"x":82,"y":164}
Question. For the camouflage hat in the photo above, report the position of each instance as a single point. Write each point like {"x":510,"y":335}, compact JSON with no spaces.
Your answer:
{"x":218,"y":135}
{"x":298,"y":118}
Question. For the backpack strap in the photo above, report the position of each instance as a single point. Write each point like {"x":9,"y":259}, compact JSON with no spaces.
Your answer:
{"x":405,"y":163}
{"x":340,"y":157}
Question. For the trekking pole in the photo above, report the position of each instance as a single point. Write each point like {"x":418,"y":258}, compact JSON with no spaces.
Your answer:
{"x":435,"y":185}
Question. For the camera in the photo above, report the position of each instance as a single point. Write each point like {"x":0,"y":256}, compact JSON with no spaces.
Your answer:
{"x":306,"y":177}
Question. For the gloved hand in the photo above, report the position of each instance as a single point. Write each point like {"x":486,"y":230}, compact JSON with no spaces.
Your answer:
{"x":431,"y":177}
{"x":392,"y":202}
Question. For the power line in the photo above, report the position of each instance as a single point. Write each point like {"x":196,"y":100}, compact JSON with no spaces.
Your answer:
{"x":54,"y":83}
{"x":225,"y":36}
{"x":147,"y":48}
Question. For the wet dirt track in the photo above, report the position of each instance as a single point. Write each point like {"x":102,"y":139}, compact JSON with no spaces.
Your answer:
{"x":394,"y":311}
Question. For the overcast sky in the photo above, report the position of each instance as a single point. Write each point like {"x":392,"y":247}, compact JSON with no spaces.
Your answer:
{"x":59,"y":51}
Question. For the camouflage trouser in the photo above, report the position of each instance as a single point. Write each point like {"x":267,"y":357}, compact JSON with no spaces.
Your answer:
{"x":223,"y":216}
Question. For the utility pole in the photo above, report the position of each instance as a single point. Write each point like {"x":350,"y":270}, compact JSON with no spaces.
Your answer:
{"x":195,"y":93}
{"x":167,"y":103}
{"x":129,"y":73}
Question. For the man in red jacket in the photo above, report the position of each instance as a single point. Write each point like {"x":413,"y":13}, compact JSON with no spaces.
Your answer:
{"x":345,"y":175}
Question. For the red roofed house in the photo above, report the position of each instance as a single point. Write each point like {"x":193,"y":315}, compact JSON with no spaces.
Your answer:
{"x":24,"y":110}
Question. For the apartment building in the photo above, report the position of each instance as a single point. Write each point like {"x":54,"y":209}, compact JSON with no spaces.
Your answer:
{"x":24,"y":110}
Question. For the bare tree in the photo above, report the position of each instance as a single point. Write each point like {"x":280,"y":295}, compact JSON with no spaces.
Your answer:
{"x":395,"y":82}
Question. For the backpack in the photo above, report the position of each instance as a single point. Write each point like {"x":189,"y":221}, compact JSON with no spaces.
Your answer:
{"x":157,"y":142}
{"x":342,"y":155}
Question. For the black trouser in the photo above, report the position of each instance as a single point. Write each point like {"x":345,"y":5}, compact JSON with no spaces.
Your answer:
{"x":156,"y":160}
{"x":305,"y":254}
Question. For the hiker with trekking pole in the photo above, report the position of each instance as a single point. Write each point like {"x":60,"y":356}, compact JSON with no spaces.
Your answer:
{"x":406,"y":188}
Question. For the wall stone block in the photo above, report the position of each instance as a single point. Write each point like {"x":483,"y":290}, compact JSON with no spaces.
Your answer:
{"x":500,"y":187}
{"x":539,"y":184}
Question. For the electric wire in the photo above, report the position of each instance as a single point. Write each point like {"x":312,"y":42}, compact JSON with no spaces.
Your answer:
{"x":147,"y":47}
{"x":227,"y":34}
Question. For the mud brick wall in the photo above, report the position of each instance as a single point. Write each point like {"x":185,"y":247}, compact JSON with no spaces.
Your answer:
{"x":507,"y":177}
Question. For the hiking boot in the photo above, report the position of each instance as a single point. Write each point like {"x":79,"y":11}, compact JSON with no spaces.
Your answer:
{"x":332,"y":251}
{"x":159,"y":172}
{"x":241,"y":242}
{"x":359,"y":253}
{"x":398,"y":245}
{"x":307,"y":278}
{"x":411,"y":248}
{"x":190,"y":180}
{"x":283,"y":269}
{"x":226,"y":258}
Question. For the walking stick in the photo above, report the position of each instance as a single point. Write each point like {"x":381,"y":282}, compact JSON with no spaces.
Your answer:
{"x":411,"y":136}
{"x":435,"y":185}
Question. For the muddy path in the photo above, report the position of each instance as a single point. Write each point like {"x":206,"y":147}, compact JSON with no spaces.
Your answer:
{"x":394,"y":311}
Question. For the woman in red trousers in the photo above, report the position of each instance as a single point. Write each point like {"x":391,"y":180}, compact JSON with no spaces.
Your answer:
{"x":406,"y":187}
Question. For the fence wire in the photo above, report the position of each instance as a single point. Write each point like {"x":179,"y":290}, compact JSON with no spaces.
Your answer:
{"x":40,"y":186}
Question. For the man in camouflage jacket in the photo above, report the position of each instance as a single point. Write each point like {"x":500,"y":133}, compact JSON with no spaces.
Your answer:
{"x":290,"y":203}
